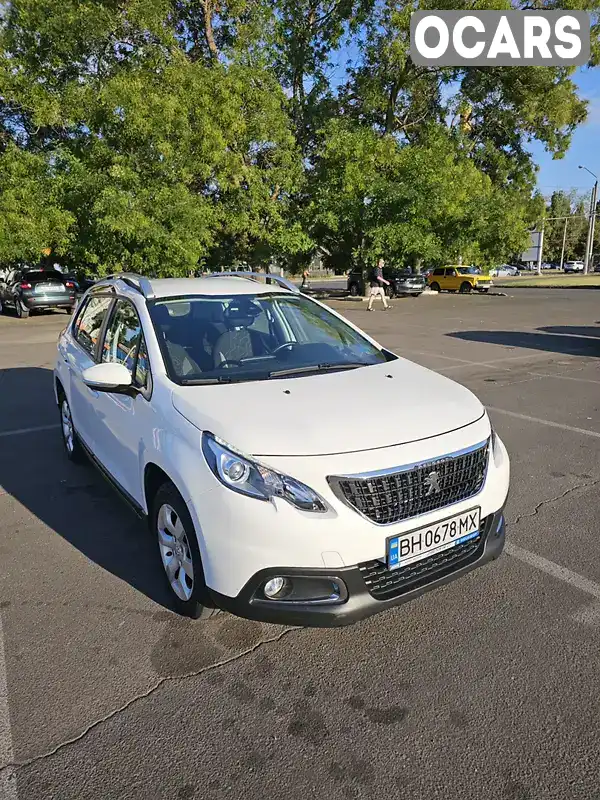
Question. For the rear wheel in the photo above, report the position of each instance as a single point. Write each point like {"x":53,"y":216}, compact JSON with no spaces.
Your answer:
{"x":435,"y":287}
{"x":70,"y":439}
{"x":465,"y":287}
{"x":22,"y":311}
{"x":389,"y":291}
{"x":179,"y":553}
{"x":354,"y":289}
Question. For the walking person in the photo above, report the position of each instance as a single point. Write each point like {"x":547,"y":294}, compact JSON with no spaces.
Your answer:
{"x":377,"y":284}
{"x":305,"y":277}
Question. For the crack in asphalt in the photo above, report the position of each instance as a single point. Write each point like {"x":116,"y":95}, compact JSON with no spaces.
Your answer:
{"x":549,"y":500}
{"x":16,"y":765}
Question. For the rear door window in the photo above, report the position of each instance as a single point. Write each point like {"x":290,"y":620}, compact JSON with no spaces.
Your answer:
{"x":88,"y":324}
{"x":438,"y":271}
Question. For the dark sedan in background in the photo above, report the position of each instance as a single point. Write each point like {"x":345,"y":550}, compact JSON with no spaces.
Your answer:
{"x":403,"y":282}
{"x":27,"y":290}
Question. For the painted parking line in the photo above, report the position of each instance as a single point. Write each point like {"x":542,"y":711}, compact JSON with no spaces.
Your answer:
{"x":565,"y":377}
{"x":555,"y":570}
{"x":8,"y":778}
{"x":547,"y":422}
{"x":21,"y":431}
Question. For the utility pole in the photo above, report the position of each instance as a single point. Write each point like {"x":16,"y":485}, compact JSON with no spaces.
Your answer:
{"x":540,"y":248}
{"x":590,"y":265}
{"x":589,"y":247}
{"x":562,"y":252}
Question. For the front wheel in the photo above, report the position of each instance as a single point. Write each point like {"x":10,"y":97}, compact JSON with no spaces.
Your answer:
{"x":435,"y":287}
{"x":465,"y":287}
{"x":178,"y":547}
{"x":389,"y":292}
{"x":353,"y":290}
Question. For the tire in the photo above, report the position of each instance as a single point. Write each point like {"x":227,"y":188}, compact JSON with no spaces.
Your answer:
{"x":353,"y":290}
{"x":22,"y":312}
{"x":1,"y":307}
{"x":187,"y":586}
{"x":435,"y":287}
{"x":73,"y":448}
{"x":416,"y":294}
{"x":465,"y":287}
{"x":485,"y":291}
{"x":389,"y":292}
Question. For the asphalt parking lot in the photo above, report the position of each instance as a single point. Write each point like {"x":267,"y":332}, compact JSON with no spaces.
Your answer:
{"x":487,"y":688}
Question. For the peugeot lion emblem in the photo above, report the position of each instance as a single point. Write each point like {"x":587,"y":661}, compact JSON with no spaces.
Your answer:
{"x":432,"y":482}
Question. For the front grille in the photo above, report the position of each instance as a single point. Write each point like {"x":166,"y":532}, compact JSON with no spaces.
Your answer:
{"x":384,"y":583}
{"x":396,"y":496}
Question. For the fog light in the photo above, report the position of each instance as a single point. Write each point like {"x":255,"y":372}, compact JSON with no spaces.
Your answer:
{"x":276,"y":588}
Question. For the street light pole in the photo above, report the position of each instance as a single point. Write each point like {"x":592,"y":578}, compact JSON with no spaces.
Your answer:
{"x":589,"y":247}
{"x":562,"y":252}
{"x":590,"y":264}
{"x":540,"y":248}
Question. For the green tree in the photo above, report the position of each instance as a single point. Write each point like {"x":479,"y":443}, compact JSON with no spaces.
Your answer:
{"x":165,"y":146}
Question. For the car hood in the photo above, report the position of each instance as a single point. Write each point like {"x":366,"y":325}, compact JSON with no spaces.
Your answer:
{"x":332,"y":413}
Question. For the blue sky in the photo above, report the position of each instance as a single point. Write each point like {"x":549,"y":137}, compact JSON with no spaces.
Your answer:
{"x":585,"y":145}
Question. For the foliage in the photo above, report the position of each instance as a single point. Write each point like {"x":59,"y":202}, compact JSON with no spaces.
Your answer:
{"x":167,"y":135}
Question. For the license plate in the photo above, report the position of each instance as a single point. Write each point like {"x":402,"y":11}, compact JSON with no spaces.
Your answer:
{"x":423,"y":542}
{"x":49,"y":288}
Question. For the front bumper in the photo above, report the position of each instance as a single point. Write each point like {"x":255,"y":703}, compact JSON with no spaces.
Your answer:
{"x":359,"y":601}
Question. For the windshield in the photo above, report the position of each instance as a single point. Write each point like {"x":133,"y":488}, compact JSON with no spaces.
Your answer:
{"x":254,"y":337}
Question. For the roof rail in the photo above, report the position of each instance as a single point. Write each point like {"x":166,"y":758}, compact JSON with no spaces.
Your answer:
{"x":268,"y":276}
{"x":135,"y":281}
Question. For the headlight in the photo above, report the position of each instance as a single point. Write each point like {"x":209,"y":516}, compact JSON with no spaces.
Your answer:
{"x":241,"y":474}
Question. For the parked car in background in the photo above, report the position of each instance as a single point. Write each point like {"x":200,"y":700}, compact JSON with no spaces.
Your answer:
{"x":574,"y":266}
{"x":458,"y":278}
{"x":327,"y":522}
{"x":403,"y":282}
{"x":504,"y":271}
{"x":27,"y":290}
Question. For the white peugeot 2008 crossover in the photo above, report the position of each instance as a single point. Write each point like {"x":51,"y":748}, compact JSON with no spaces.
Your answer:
{"x":225,"y":410}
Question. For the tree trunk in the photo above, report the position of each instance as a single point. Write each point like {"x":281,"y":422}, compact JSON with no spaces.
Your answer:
{"x":207,"y":6}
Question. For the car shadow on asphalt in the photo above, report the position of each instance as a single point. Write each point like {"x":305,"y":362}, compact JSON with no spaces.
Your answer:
{"x":72,"y":500}
{"x":568,"y":342}
{"x":570,"y":330}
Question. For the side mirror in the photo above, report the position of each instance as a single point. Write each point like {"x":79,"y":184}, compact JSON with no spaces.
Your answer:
{"x":108,"y":377}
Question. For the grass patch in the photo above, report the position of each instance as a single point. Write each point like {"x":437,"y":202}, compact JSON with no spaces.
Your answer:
{"x":545,"y":281}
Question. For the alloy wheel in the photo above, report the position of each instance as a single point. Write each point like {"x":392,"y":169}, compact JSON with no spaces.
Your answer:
{"x":67,"y":426}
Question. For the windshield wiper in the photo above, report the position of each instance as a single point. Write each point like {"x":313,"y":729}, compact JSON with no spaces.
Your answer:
{"x":282,"y":373}
{"x":204,"y":381}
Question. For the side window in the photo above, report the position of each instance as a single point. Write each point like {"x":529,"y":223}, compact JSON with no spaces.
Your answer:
{"x":89,"y":322}
{"x":451,"y":273}
{"x":124,"y":342}
{"x":261,"y":323}
{"x":438,"y":271}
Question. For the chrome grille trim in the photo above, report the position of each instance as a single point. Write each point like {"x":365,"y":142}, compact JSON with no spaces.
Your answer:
{"x":378,"y":495}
